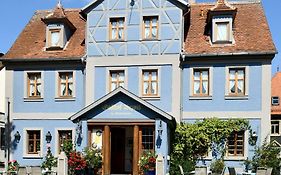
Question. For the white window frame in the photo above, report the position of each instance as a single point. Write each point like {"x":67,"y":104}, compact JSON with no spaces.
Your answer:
{"x":144,"y":68}
{"x":222,"y":19}
{"x":49,"y":29}
{"x":57,"y":138}
{"x":246,"y":149}
{"x":108,"y":76}
{"x":25,"y":78}
{"x":272,"y":99}
{"x":203,"y":97}
{"x":25,"y":143}
{"x":229,"y":96}
{"x":277,"y":134}
{"x":59,"y":98}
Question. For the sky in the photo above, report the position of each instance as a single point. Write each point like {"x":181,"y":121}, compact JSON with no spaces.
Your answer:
{"x":15,"y":14}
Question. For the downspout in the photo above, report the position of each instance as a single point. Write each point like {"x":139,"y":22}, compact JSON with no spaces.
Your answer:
{"x":7,"y":133}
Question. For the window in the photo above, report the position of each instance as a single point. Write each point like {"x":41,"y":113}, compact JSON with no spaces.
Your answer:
{"x":116,"y":28}
{"x":275,"y":101}
{"x":34,"y":85}
{"x":235,"y":144}
{"x":200,"y":82}
{"x":2,"y":138}
{"x":34,"y":139}
{"x":64,"y":135}
{"x":275,"y":125}
{"x":55,"y":38}
{"x":147,"y":139}
{"x":150,"y":27}
{"x":222,"y":29}
{"x":117,"y":78}
{"x":149,"y":83}
{"x":65,"y":88}
{"x":237,"y":81}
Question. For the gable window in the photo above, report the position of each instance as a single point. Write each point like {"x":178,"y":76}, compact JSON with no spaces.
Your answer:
{"x":116,"y":28}
{"x":275,"y":101}
{"x":237,"y":81}
{"x":34,"y":85}
{"x":65,"y":88}
{"x":55,"y":38}
{"x":275,"y":127}
{"x":149,"y":83}
{"x":235,"y":144}
{"x":150,"y":27}
{"x":117,"y":78}
{"x":64,"y":136}
{"x":201,"y":82}
{"x":34,"y":140}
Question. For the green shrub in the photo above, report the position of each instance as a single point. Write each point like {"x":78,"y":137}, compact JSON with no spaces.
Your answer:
{"x":217,"y":166}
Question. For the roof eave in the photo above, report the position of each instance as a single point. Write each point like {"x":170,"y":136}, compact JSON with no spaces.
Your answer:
{"x":111,"y":94}
{"x":39,"y":59}
{"x":187,"y":55}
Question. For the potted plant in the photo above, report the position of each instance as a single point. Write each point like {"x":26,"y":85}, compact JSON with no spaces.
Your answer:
{"x":49,"y":162}
{"x":76,"y":163}
{"x":13,"y":167}
{"x":93,"y":159}
{"x":217,"y":166}
{"x":147,"y":163}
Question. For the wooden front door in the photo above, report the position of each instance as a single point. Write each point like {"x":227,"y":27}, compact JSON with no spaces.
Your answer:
{"x":117,"y":150}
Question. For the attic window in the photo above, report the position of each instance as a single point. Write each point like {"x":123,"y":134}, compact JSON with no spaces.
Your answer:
{"x":222,"y":30}
{"x":55,"y":39}
{"x":275,"y":101}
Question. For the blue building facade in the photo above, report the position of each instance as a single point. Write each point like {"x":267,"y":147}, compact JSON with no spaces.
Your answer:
{"x":117,"y":76}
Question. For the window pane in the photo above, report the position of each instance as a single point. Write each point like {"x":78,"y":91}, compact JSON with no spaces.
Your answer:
{"x":121,"y":23}
{"x":38,"y":90}
{"x":113,"y":85}
{"x":121,"y":76}
{"x":232,"y":86}
{"x":240,"y":87}
{"x":154,"y":88}
{"x":70,"y":89}
{"x":145,"y":88}
{"x":32,"y":90}
{"x":240,"y":74}
{"x":154,"y":76}
{"x":70,"y":78}
{"x":196,"y":89}
{"x":120,"y":33}
{"x":232,"y":74}
{"x":197,"y":75}
{"x":222,"y":31}
{"x":114,"y":76}
{"x":55,"y":38}
{"x":114,"y":33}
{"x":145,"y":76}
{"x":205,"y":87}
{"x":205,"y":75}
{"x":154,"y":32}
{"x":63,"y":89}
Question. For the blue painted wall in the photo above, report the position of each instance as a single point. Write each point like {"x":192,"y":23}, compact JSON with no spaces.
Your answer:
{"x":49,"y":104}
{"x":165,"y":73}
{"x":46,"y":125}
{"x":170,"y":28}
{"x":218,"y":101}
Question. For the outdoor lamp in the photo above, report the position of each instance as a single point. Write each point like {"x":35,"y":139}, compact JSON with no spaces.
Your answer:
{"x":160,"y":129}
{"x":253,"y":138}
{"x":17,"y":136}
{"x":48,"y":137}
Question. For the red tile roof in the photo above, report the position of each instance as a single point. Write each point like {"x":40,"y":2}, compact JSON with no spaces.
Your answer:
{"x":31,"y":42}
{"x":250,"y":30}
{"x":276,"y":91}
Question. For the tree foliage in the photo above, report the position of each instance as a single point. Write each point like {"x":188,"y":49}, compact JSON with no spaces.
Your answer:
{"x":193,"y":140}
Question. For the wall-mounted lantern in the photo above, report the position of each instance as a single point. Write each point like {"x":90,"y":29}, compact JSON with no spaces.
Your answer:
{"x":17,"y":136}
{"x":253,"y":138}
{"x":48,"y":137}
{"x":160,"y":128}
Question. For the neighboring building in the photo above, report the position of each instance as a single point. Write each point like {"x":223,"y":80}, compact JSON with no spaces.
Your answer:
{"x":120,"y":87}
{"x":275,"y":136}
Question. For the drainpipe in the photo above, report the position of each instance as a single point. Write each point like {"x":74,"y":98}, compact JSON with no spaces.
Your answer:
{"x":8,"y":136}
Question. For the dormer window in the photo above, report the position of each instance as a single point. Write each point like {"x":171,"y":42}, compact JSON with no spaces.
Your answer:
{"x":55,"y":38}
{"x":222,"y":30}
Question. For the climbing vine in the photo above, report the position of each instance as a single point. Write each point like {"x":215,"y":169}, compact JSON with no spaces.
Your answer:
{"x":193,"y":141}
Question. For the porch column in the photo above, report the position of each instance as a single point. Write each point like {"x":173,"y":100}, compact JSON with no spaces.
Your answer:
{"x":106,"y":150}
{"x":136,"y":151}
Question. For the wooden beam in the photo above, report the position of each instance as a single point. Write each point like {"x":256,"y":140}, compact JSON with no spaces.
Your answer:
{"x":136,"y":150}
{"x":106,"y":150}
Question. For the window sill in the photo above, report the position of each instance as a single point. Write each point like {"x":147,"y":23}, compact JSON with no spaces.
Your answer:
{"x":147,"y":39}
{"x":117,"y":40}
{"x":33,"y":156}
{"x":150,"y":97}
{"x":237,"y":97}
{"x":65,"y":99}
{"x":28,"y":99}
{"x":54,"y":48}
{"x":275,"y":135}
{"x":200,"y":97}
{"x":237,"y":158}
